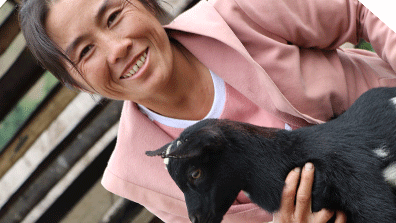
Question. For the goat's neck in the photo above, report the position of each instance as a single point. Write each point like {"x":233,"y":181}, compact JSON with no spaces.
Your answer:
{"x":270,"y":160}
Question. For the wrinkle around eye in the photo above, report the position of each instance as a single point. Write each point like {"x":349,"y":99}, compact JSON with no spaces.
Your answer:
{"x":85,"y":53}
{"x":112,"y":18}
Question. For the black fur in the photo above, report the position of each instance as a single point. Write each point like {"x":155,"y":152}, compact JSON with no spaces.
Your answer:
{"x":229,"y":157}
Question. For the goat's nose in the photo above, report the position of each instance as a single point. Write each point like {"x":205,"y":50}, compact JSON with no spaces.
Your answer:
{"x":193,"y":218}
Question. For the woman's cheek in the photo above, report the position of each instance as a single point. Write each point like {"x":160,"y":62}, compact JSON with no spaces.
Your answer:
{"x":93,"y":70}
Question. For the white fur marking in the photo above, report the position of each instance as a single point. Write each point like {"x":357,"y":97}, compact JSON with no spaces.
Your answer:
{"x":393,"y":100}
{"x":390,"y":174}
{"x":178,"y":143}
{"x":382,"y":152}
{"x":166,"y":160}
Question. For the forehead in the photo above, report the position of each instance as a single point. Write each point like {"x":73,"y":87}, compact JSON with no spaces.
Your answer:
{"x":67,"y":19}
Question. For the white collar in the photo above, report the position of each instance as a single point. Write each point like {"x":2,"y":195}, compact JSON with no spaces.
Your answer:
{"x":215,"y":111}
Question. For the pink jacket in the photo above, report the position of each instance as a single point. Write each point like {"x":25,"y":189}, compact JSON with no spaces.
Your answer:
{"x":282,"y":55}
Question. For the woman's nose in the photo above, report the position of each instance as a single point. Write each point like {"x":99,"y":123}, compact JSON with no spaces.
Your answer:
{"x":118,"y":49}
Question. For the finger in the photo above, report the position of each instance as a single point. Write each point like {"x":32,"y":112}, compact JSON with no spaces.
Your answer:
{"x":323,"y":216}
{"x":303,"y":198}
{"x":340,"y":217}
{"x":289,"y":192}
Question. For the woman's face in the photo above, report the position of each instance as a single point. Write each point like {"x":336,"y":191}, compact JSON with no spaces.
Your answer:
{"x":119,"y":46}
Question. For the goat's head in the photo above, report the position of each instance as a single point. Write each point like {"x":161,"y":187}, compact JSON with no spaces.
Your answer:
{"x":199,"y":165}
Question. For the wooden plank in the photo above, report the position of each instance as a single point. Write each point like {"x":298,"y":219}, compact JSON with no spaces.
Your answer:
{"x":9,"y":29}
{"x":5,"y":10}
{"x":79,"y":187}
{"x":16,"y":119}
{"x":11,"y":54}
{"x":15,"y":1}
{"x":116,"y":211}
{"x":92,"y":206}
{"x":126,"y":211}
{"x":156,"y":220}
{"x":61,"y":160}
{"x":43,"y":146}
{"x":144,"y":216}
{"x":71,"y":176}
{"x":42,"y":118}
{"x":12,"y":88}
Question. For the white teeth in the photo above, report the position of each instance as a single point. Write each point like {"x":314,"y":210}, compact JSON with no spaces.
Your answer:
{"x":126,"y":76}
{"x":136,"y":67}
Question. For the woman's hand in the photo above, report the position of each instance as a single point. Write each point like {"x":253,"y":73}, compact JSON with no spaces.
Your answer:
{"x":301,"y":210}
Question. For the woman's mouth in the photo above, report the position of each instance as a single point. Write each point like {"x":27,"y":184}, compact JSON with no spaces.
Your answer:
{"x":135,"y":68}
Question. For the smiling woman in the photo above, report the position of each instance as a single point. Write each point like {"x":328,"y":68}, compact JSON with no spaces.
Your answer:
{"x":273,"y":63}
{"x":103,"y":44}
{"x":33,"y":17}
{"x":109,"y":48}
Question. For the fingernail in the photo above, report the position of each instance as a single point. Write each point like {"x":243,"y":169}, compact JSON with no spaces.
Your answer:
{"x":308,"y":166}
{"x":297,"y":169}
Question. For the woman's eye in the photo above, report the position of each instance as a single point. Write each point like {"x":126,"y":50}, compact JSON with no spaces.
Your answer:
{"x":85,"y":51}
{"x":196,"y":174}
{"x":112,"y":17}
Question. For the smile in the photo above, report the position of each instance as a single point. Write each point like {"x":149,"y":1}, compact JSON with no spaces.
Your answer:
{"x":137,"y":66}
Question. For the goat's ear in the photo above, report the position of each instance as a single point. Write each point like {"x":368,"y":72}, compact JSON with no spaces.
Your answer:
{"x":214,"y":137}
{"x":210,"y":138}
{"x":159,"y":152}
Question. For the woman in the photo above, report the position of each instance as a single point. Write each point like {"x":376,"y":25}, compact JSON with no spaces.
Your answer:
{"x":274,"y":63}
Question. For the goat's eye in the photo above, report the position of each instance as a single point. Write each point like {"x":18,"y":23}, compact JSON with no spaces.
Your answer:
{"x":196,"y":174}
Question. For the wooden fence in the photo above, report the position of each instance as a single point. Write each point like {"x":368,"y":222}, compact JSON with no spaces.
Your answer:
{"x":54,"y":142}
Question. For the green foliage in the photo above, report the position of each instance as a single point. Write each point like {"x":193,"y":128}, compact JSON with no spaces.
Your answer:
{"x":365,"y":46}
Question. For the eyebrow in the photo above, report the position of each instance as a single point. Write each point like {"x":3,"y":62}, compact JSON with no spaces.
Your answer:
{"x":98,"y":16}
{"x":101,"y":11}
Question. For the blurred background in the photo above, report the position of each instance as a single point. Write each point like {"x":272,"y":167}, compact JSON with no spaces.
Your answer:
{"x":55,"y":142}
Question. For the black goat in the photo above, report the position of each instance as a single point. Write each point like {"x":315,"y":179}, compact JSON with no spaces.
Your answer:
{"x":354,"y":157}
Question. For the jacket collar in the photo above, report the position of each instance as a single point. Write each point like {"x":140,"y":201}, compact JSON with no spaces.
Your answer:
{"x":202,"y":26}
